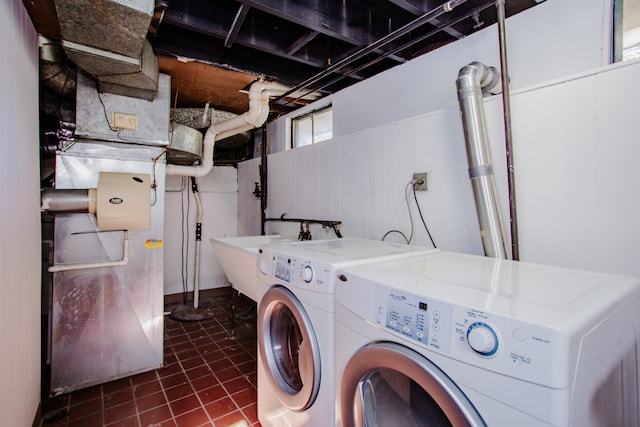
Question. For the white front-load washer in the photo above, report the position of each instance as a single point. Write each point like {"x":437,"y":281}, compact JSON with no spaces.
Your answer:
{"x":296,"y":325}
{"x":452,"y":339}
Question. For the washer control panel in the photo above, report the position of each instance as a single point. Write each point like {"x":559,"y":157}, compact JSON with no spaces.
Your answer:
{"x":302,"y":272}
{"x":418,"y":318}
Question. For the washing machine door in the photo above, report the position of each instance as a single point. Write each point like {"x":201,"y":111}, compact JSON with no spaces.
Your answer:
{"x":387,"y":384}
{"x":288,"y":348}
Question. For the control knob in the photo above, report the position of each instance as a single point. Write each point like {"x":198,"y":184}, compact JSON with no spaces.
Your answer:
{"x":482,"y":339}
{"x":306,"y":274}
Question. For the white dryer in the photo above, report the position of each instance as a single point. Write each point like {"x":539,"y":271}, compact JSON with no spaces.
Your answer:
{"x":296,"y":325}
{"x":452,"y":339}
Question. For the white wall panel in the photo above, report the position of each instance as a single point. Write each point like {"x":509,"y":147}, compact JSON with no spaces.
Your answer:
{"x":20,"y":246}
{"x":618,"y":151}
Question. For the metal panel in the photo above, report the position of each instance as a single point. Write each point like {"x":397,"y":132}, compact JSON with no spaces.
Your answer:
{"x":107,"y":323}
{"x":95,"y":114}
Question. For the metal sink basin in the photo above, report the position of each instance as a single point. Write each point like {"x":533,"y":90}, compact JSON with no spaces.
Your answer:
{"x":238,"y":257}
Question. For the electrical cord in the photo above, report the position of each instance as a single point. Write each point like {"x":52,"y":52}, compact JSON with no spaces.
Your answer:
{"x":406,"y":199}
{"x":421,"y":217}
{"x":395,"y":231}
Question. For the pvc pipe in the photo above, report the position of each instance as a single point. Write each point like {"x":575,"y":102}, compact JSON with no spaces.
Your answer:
{"x":81,"y":266}
{"x":254,"y":117}
{"x":474,"y":80}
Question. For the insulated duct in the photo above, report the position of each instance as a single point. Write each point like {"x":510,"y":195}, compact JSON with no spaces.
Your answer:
{"x":473,"y":81}
{"x":55,"y":73}
{"x":259,"y":95}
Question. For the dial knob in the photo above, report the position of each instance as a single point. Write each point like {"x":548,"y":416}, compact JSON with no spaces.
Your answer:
{"x":306,"y":274}
{"x":482,"y":339}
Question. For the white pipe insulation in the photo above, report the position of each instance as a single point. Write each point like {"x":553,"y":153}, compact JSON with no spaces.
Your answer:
{"x":473,"y":81}
{"x":254,"y":117}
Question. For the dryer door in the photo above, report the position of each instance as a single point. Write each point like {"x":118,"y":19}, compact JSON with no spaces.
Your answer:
{"x":288,"y":348}
{"x":388,"y":384}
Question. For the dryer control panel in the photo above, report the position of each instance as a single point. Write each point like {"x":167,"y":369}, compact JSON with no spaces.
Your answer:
{"x":419,"y":318}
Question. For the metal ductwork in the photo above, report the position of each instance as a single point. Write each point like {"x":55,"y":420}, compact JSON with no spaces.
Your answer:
{"x":473,"y":81}
{"x":55,"y":72}
{"x":107,"y":39}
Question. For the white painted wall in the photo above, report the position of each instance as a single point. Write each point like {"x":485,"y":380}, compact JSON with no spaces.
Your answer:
{"x":219,"y":198}
{"x":19,"y":218}
{"x":574,"y":142}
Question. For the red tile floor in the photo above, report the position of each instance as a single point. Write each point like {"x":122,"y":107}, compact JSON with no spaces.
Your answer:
{"x":209,"y":379}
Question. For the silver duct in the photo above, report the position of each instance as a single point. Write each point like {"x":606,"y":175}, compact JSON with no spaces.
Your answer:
{"x":54,"y":71}
{"x":473,"y":81}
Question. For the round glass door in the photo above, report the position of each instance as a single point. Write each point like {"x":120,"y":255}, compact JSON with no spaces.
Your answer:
{"x":288,"y":349}
{"x":386,"y":384}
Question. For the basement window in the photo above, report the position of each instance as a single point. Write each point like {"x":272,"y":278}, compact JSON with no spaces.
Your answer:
{"x":312,"y":127}
{"x":626,"y":37}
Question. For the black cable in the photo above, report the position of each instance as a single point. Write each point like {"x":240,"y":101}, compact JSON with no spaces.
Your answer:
{"x":421,"y":217}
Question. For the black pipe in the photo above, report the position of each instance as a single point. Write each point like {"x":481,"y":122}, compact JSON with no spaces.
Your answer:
{"x":263,"y":181}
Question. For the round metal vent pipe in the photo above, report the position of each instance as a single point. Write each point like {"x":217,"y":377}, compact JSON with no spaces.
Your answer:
{"x":474,"y":80}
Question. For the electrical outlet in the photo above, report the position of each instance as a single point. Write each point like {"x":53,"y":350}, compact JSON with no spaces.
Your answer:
{"x":421,"y":185}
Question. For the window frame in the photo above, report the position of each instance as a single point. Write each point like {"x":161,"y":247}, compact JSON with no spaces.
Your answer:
{"x":311,"y":114}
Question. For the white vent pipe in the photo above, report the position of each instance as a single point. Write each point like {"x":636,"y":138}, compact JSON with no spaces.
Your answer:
{"x":259,"y":95}
{"x":474,"y":80}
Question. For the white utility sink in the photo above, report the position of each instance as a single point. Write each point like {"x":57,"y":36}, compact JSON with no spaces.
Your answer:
{"x":238,"y":257}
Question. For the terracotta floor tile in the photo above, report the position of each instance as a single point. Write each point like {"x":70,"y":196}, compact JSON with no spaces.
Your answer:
{"x":199,"y":372}
{"x":178,"y":392}
{"x":151,"y":401}
{"x":236,"y":419}
{"x":117,"y":398}
{"x":196,"y":417}
{"x":184,"y":405}
{"x":155,"y":416}
{"x":225,"y":375}
{"x":127,"y":422}
{"x":208,"y":348}
{"x":251,"y":412}
{"x":194,"y":362}
{"x":245,"y":397}
{"x":237,"y":385}
{"x":120,"y":412}
{"x":85,"y":394}
{"x":220,"y":407}
{"x":146,"y":389}
{"x":144,"y":378}
{"x":117,"y":385}
{"x":94,"y":420}
{"x":212,"y":394}
{"x":174,"y":380}
{"x":242,"y":358}
{"x":204,"y":382}
{"x":213,"y":356}
{"x":221,"y":364}
{"x":169,"y":370}
{"x":85,"y":408}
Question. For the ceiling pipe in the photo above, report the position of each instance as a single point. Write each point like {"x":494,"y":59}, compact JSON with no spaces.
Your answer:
{"x":473,"y":81}
{"x":259,"y":95}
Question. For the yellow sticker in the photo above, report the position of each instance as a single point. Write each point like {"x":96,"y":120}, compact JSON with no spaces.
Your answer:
{"x":153,"y":243}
